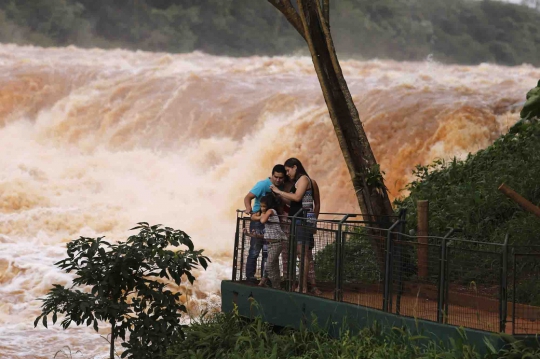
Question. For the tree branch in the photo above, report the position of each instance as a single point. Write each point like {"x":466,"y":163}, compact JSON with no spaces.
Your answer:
{"x":286,"y":8}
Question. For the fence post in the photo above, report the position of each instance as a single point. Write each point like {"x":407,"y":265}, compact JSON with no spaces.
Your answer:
{"x":292,"y":253}
{"x":303,"y":263}
{"x":340,"y":244}
{"x":514,"y":269}
{"x":440,"y":299}
{"x":235,"y":251}
{"x":422,"y":234}
{"x":442,"y":278}
{"x":337,"y":265}
{"x":447,"y":281}
{"x":401,"y":256}
{"x":242,"y":251}
{"x":504,"y":286}
{"x":387,"y":297}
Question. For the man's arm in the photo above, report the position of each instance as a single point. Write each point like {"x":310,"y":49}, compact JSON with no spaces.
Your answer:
{"x":247,"y":202}
{"x":316,"y":198}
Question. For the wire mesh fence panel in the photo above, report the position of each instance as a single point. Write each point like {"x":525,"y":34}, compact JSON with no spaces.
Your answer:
{"x":312,"y":273}
{"x":415,"y":277}
{"x":240,"y":249}
{"x":473,"y":289}
{"x":363,"y":265}
{"x":484,"y":286}
{"x":322,"y":270}
{"x":253,"y":252}
{"x":526,"y":291}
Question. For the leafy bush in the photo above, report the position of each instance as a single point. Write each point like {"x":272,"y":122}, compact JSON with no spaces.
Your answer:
{"x":226,"y":335}
{"x":359,"y":260}
{"x":128,"y":287}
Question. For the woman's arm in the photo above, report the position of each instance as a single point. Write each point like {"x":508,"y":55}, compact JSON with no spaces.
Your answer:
{"x":316,"y":198}
{"x":301,"y":188}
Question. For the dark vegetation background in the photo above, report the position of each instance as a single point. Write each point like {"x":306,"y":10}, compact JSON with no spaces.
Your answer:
{"x":452,"y":31}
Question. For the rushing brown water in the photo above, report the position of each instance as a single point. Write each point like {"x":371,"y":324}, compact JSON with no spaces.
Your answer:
{"x":94,"y":141}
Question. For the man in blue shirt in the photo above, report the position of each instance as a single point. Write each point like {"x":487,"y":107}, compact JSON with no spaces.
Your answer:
{"x":260,"y":189}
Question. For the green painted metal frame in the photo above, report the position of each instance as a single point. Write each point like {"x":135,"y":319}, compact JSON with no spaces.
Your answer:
{"x":290,"y":309}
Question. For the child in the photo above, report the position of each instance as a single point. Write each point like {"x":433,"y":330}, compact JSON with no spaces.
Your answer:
{"x":273,"y":236}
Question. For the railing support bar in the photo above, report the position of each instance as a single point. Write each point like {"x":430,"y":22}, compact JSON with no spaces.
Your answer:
{"x":403,"y":223}
{"x":388,"y":269}
{"x":514,"y":292}
{"x":242,"y":251}
{"x":504,"y":286}
{"x":340,"y":252}
{"x":442,"y":277}
{"x":235,"y":251}
{"x":292,"y":253}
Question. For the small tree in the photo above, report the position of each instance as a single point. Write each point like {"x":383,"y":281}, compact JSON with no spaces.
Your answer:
{"x":125,"y":289}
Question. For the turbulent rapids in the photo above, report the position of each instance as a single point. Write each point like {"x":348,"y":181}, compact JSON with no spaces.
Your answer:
{"x":94,"y":141}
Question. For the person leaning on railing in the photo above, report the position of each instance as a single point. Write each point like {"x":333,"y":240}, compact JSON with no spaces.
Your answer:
{"x":260,"y":189}
{"x":301,"y":197}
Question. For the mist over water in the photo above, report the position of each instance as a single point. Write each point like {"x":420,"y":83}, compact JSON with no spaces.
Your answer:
{"x":94,"y":141}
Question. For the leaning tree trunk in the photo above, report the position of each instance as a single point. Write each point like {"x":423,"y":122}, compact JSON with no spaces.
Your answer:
{"x":312,"y":22}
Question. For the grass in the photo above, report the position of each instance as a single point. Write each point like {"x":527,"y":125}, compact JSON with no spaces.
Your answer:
{"x":227,"y":335}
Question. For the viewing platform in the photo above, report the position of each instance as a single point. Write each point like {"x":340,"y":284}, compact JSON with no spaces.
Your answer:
{"x":370,"y":270}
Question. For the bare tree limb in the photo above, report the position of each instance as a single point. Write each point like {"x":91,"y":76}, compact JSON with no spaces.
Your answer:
{"x":326,"y":11}
{"x":286,"y":8}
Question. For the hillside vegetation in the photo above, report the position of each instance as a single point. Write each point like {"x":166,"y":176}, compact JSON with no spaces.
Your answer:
{"x":453,"y":31}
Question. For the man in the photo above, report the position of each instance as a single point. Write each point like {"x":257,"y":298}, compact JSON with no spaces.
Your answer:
{"x":260,"y":189}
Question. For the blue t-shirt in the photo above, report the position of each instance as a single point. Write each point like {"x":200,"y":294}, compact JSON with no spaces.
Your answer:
{"x":262,"y":188}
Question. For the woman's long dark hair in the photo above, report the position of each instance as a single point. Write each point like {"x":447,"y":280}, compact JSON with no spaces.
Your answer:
{"x":300,"y":170}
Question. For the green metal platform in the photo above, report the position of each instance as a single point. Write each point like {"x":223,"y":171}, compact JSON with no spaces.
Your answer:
{"x":286,"y":309}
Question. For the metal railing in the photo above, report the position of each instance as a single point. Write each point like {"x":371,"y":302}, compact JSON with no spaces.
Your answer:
{"x":371,"y":261}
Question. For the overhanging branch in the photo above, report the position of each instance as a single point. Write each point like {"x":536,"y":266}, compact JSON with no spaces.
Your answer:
{"x":286,"y":8}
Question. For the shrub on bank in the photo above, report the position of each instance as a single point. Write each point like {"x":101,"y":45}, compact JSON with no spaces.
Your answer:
{"x":227,"y":335}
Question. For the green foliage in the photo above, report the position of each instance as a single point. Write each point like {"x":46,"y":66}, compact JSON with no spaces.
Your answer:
{"x":463,"y":194}
{"x":457,"y":31}
{"x":531,"y":108}
{"x":515,"y":349}
{"x":359,"y":260}
{"x":128,"y":289}
{"x":226,"y":335}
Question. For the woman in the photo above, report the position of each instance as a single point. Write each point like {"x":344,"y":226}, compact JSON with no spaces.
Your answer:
{"x":301,"y":199}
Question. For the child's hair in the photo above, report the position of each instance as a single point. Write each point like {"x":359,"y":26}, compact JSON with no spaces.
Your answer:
{"x":271,"y":201}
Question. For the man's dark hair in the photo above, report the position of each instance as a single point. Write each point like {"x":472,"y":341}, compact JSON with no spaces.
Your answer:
{"x":279,"y":169}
